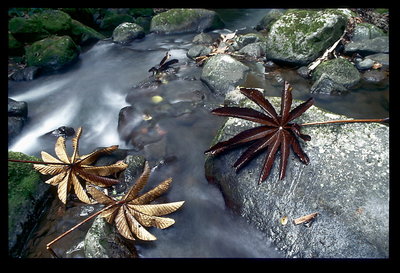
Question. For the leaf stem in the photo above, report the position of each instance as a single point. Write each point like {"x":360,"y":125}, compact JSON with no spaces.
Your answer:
{"x":48,"y":246}
{"x":386,"y":120}
{"x":39,"y":162}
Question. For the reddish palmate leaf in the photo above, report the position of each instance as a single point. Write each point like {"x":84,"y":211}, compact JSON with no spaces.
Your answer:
{"x":275,"y":134}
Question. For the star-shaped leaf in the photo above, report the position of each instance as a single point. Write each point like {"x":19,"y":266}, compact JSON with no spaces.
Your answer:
{"x":275,"y":133}
{"x":132,"y":213}
{"x":70,"y":171}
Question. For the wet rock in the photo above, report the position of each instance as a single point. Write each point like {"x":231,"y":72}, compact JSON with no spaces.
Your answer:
{"x":241,"y":41}
{"x":26,"y":74}
{"x":366,"y":31}
{"x":103,"y":241}
{"x":337,"y":74}
{"x":255,"y":50}
{"x":203,"y":39}
{"x":126,"y":33}
{"x":300,"y":36}
{"x":27,"y":196}
{"x":346,"y":182}
{"x":375,"y":77}
{"x":63,"y":131}
{"x":303,"y":72}
{"x":52,"y":53}
{"x":381,"y":58}
{"x":17,"y":117}
{"x":222,"y":73}
{"x":269,"y":19}
{"x":368,"y":47}
{"x":198,"y":50}
{"x":326,"y":85}
{"x":15,"y":126}
{"x":364,"y":64}
{"x":185,"y":20}
{"x":17,"y":108}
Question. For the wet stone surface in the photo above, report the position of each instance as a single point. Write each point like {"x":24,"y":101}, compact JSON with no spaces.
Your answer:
{"x":346,"y":182}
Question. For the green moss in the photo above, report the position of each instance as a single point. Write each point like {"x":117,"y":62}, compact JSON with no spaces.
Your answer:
{"x":179,"y":19}
{"x":112,"y":20}
{"x":26,"y":29}
{"x":138,"y":12}
{"x":300,"y":36}
{"x":23,"y":181}
{"x":82,"y":33}
{"x":52,"y":53}
{"x":54,"y":21}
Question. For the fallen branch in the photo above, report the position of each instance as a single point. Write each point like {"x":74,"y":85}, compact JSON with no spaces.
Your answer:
{"x":324,"y":56}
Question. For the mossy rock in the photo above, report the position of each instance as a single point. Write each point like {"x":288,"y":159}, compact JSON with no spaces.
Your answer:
{"x":82,"y":34}
{"x":340,"y":70}
{"x":53,"y":21}
{"x":15,"y":48}
{"x":52,"y":53}
{"x":300,"y":36}
{"x":112,"y":20}
{"x":141,"y":12}
{"x":185,"y":20}
{"x":26,"y":196}
{"x":27,"y":30}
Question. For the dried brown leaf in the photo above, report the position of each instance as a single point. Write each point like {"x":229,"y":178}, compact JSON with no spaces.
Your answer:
{"x":67,"y":175}
{"x":132,"y":213}
{"x":305,"y":218}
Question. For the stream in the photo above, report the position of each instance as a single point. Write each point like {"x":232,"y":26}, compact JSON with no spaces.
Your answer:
{"x":90,"y":94}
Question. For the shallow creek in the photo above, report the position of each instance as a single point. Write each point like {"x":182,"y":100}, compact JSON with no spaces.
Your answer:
{"x":90,"y":95}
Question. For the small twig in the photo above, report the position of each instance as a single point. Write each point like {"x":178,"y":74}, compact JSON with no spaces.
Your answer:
{"x":305,"y":218}
{"x":314,"y":64}
{"x":386,"y":120}
{"x":48,"y":246}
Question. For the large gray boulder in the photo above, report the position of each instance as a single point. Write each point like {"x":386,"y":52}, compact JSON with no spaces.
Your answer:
{"x":300,"y":36}
{"x":346,"y":182}
{"x":222,"y":73}
{"x":185,"y":20}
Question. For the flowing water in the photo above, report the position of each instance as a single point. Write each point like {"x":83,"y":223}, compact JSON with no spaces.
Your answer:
{"x":90,"y":95}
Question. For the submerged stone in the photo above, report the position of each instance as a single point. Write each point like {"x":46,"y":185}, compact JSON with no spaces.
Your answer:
{"x":346,"y":182}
